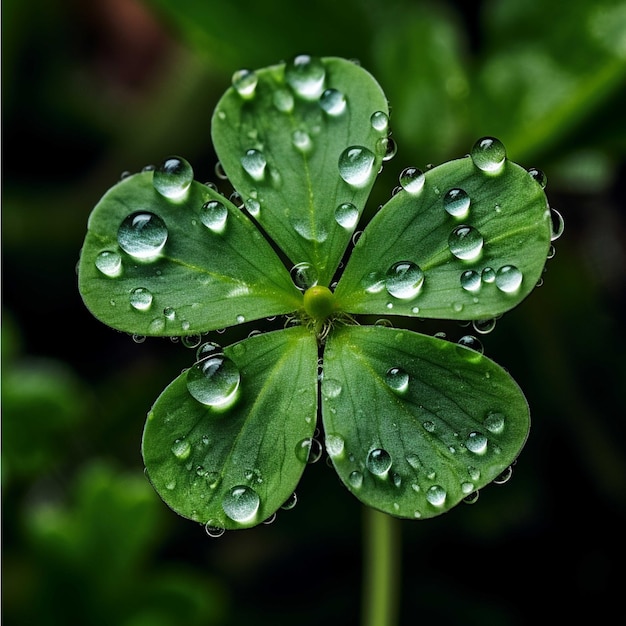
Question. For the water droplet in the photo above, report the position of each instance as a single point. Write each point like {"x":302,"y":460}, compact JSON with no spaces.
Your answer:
{"x":306,"y":75}
{"x":471,"y":280}
{"x":173,"y":177}
{"x":208,"y":349}
{"x":333,"y":102}
{"x":290,"y":502}
{"x":213,"y":381}
{"x":557,"y":224}
{"x":465,"y":242}
{"x":109,"y":263}
{"x":379,"y":121}
{"x":429,"y":426}
{"x":476,"y":442}
{"x":213,"y":215}
{"x":142,"y":235}
{"x":304,"y":275}
{"x":169,"y":312}
{"x":472,"y":498}
{"x":141,"y":299}
{"x":456,"y":202}
{"x":191,"y":341}
{"x":386,"y":148}
{"x":356,"y":165}
{"x":253,"y":206}
{"x":473,"y":472}
{"x":334,"y":444}
{"x":504,"y":476}
{"x":310,"y":231}
{"x":488,"y":275}
{"x":436,"y":495}
{"x":347,"y":215}
{"x":484,"y":326}
{"x":301,"y":140}
{"x":181,"y":449}
{"x":331,"y":388}
{"x":241,"y":503}
{"x":488,"y":154}
{"x":213,"y":530}
{"x":397,"y":379}
{"x":254,"y":162}
{"x":538,"y":176}
{"x":374,"y":282}
{"x":355,"y":479}
{"x":309,"y":450}
{"x":508,"y":279}
{"x":494,"y":422}
{"x":378,"y":461}
{"x":412,"y":180}
{"x":471,"y":342}
{"x":283,"y":100}
{"x":404,"y":280}
{"x":245,"y":82}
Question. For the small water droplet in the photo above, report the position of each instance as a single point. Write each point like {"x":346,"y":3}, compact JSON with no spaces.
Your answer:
{"x":331,"y":388}
{"x":254,"y":163}
{"x":378,"y":461}
{"x":169,"y":312}
{"x":538,"y":176}
{"x":213,"y":215}
{"x":334,"y":444}
{"x":471,"y":280}
{"x":213,"y":381}
{"x":465,"y":242}
{"x":333,"y":102}
{"x":173,"y":177}
{"x":181,"y":449}
{"x":476,"y":442}
{"x":304,"y":275}
{"x":241,"y":503}
{"x":245,"y":82}
{"x":309,"y":450}
{"x":504,"y":476}
{"x":508,"y":279}
{"x":355,"y":479}
{"x":386,"y":148}
{"x":109,"y":263}
{"x":346,"y":215}
{"x":290,"y":502}
{"x":379,"y":121}
{"x":140,"y":299}
{"x":456,"y":202}
{"x":213,"y":529}
{"x":557,"y":224}
{"x":356,"y":165}
{"x":374,"y":282}
{"x":473,"y":472}
{"x":494,"y":422}
{"x":207,"y":349}
{"x":484,"y":326}
{"x":306,"y":75}
{"x":488,"y":275}
{"x":404,"y":280}
{"x":283,"y":100}
{"x":436,"y":495}
{"x":488,"y":154}
{"x":429,"y":426}
{"x":142,"y":235}
{"x":412,"y":180}
{"x":471,"y":342}
{"x":301,"y":140}
{"x":397,"y":379}
{"x":253,"y":206}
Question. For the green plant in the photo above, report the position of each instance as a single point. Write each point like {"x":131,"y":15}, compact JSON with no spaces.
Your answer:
{"x":413,"y":424}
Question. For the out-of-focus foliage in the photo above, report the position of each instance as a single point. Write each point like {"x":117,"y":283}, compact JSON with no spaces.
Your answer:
{"x":94,"y":88}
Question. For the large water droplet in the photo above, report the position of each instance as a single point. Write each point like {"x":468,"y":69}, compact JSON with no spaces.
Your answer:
{"x":508,"y":279}
{"x":476,"y":442}
{"x":412,"y":180}
{"x":304,"y":275}
{"x":488,"y":154}
{"x":173,"y":177}
{"x":306,"y":75}
{"x":241,"y":503}
{"x":378,"y":461}
{"x":347,"y":215}
{"x":142,"y":235}
{"x":213,"y":215}
{"x":397,"y":379}
{"x":436,"y":495}
{"x":334,"y":444}
{"x":465,"y":242}
{"x":333,"y":102}
{"x":456,"y":202}
{"x":471,"y":280}
{"x":404,"y":280}
{"x":141,"y":299}
{"x":213,"y":381}
{"x":245,"y":82}
{"x":356,"y":165}
{"x":254,"y":162}
{"x":109,"y":263}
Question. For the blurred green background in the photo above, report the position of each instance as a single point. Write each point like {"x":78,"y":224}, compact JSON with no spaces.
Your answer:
{"x":92,"y":89}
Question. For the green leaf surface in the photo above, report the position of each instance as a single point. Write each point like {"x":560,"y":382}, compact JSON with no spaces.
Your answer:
{"x":414,"y":424}
{"x":281,"y":134}
{"x":233,"y":466}
{"x":418,"y":258}
{"x":202,"y":279}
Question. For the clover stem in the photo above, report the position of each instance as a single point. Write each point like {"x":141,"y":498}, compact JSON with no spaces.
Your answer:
{"x":381,"y":577}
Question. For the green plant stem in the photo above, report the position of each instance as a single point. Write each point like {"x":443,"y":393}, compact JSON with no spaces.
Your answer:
{"x":381,"y":574}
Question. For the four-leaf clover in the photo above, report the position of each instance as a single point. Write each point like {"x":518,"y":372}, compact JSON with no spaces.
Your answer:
{"x":412,"y":424}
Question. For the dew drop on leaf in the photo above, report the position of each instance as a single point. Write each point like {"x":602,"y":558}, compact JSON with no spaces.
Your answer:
{"x":291,"y":502}
{"x":538,"y":176}
{"x":488,"y":275}
{"x":304,"y":275}
{"x":213,"y":215}
{"x":301,"y":140}
{"x":213,"y":530}
{"x":397,"y":379}
{"x":283,"y":100}
{"x":209,"y":348}
{"x":142,"y":235}
{"x":355,"y":479}
{"x":109,"y":263}
{"x":494,"y":422}
{"x":456,"y":202}
{"x":309,"y":450}
{"x":436,"y":495}
{"x":245,"y":82}
{"x":331,"y":388}
{"x":476,"y":442}
{"x":356,"y":165}
{"x":471,"y":280}
{"x":306,"y":75}
{"x":378,"y":461}
{"x":254,"y":163}
{"x":140,"y":299}
{"x":404,"y":280}
{"x":488,"y":154}
{"x":213,"y":381}
{"x":241,"y":503}
{"x":412,"y":180}
{"x":508,"y":279}
{"x":333,"y":102}
{"x":181,"y":449}
{"x":334,"y":444}
{"x":173,"y":177}
{"x":379,"y":121}
{"x":465,"y":242}
{"x":346,"y":215}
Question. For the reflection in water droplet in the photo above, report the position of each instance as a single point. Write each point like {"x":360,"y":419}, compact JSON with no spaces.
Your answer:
{"x":253,"y":206}
{"x":508,"y":279}
{"x":404,"y":280}
{"x":378,"y":461}
{"x":346,"y":215}
{"x":397,"y":379}
{"x":488,"y":154}
{"x":173,"y":177}
{"x":456,"y":202}
{"x":304,"y":275}
{"x":356,"y":165}
{"x":306,"y":75}
{"x":412,"y":180}
{"x":142,"y":235}
{"x":488,"y":275}
{"x":333,"y":102}
{"x":241,"y":503}
{"x":209,"y":348}
{"x":245,"y":82}
{"x":476,"y":442}
{"x":465,"y":242}
{"x":213,"y":381}
{"x":436,"y":495}
{"x":254,"y":162}
{"x":109,"y":263}
{"x":213,"y":215}
{"x":141,"y":299}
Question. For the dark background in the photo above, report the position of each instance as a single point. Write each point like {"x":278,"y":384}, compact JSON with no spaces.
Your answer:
{"x":92,"y":89}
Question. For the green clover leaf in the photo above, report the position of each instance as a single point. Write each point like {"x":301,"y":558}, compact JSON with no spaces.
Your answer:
{"x":413,"y":424}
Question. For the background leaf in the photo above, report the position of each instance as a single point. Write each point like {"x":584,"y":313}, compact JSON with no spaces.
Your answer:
{"x":197,"y":454}
{"x":282,"y":147}
{"x":417,"y":257}
{"x":413,"y":423}
{"x":205,"y":277}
